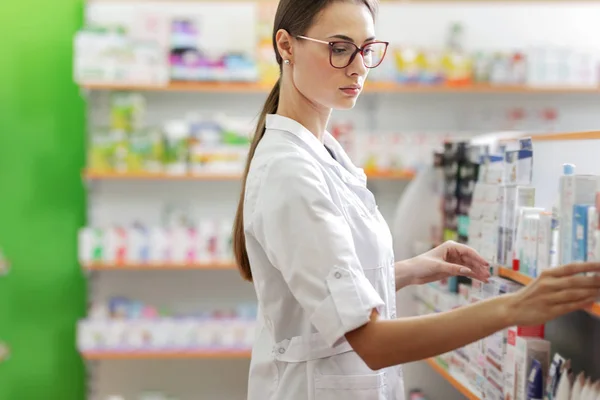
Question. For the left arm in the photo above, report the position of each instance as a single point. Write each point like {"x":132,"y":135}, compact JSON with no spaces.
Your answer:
{"x":448,"y":259}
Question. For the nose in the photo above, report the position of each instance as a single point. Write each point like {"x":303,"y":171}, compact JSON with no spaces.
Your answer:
{"x":357,"y":66}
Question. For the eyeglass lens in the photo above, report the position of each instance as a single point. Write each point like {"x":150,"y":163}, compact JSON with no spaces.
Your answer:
{"x":341,"y":54}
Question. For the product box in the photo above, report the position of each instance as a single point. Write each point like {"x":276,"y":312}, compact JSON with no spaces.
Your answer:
{"x":514,"y":354}
{"x":573,"y":189}
{"x":521,"y":242}
{"x":510,"y":167}
{"x":526,"y":350}
{"x":475,"y":377}
{"x":529,"y":266}
{"x":514,"y":198}
{"x":592,"y":227}
{"x":492,"y":169}
{"x":544,"y":242}
{"x":115,"y":245}
{"x":91,"y":245}
{"x":492,"y":391}
{"x":580,"y":230}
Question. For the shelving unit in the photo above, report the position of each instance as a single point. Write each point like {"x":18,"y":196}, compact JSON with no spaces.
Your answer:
{"x":166,"y":355}
{"x":459,"y":383}
{"x":95,"y":175}
{"x":159,"y":267}
{"x":370,"y":87}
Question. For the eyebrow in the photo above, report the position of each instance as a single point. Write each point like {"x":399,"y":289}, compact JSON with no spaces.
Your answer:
{"x":349,"y":39}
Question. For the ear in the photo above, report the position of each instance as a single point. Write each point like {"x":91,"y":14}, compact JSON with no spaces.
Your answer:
{"x":284,"y":44}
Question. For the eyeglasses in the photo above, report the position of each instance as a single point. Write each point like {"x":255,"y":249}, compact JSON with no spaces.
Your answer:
{"x":343,"y":53}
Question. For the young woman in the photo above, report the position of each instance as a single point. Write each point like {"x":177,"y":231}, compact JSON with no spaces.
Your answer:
{"x":309,"y":235}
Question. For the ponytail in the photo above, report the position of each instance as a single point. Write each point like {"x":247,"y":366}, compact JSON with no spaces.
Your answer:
{"x":239,"y":240}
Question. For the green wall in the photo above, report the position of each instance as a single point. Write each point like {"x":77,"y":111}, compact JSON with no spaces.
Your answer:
{"x":42,"y":201}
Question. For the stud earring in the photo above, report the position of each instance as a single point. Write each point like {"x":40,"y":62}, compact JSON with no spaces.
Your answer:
{"x":286,"y":62}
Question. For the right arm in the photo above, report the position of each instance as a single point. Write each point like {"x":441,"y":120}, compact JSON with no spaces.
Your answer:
{"x":383,"y":343}
{"x":306,"y":237}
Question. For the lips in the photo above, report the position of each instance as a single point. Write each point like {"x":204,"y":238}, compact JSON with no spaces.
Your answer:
{"x":352,"y":87}
{"x":351,"y":91}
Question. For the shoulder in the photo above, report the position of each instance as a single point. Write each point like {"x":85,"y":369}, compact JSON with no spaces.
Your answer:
{"x":283,"y":177}
{"x":280,"y":160}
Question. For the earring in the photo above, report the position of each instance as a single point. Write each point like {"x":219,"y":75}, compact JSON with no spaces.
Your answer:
{"x":286,"y":62}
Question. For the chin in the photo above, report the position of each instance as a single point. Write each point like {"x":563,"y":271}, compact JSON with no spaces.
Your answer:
{"x":346,"y":104}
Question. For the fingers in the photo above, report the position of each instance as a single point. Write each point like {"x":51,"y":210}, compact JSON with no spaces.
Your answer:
{"x":573,"y":295}
{"x":573,"y":269}
{"x":467,"y":253}
{"x":461,"y":270}
{"x":565,"y":308}
{"x":575,"y":282}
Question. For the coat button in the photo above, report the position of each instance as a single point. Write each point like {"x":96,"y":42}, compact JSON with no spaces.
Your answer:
{"x":281,"y":350}
{"x":338,"y":275}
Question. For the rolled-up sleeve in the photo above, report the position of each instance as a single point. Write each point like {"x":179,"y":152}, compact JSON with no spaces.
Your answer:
{"x":305,"y":235}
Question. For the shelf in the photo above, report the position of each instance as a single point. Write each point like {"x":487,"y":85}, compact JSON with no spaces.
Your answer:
{"x":515,"y":276}
{"x":526,"y":280}
{"x":370,"y":87}
{"x":394,"y":175}
{"x":158,"y":266}
{"x":166,"y":355}
{"x":208,"y":87}
{"x":108,"y":175}
{"x":96,"y":175}
{"x":591,"y":135}
{"x":463,"y":388}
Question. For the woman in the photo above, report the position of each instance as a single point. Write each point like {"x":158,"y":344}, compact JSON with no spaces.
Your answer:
{"x":309,"y":235}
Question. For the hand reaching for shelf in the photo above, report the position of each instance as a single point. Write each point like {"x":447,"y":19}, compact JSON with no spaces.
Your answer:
{"x":556,"y":292}
{"x":446,"y":260}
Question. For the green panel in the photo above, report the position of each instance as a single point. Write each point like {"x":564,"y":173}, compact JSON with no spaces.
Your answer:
{"x":42,"y":201}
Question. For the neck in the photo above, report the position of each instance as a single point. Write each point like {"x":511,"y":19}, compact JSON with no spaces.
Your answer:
{"x":294,"y":105}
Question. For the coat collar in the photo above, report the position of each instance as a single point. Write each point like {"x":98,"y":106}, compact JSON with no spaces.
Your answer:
{"x":344,"y":165}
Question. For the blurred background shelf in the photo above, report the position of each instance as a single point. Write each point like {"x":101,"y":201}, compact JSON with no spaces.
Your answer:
{"x":95,"y":175}
{"x":463,"y":388}
{"x":159,"y":266}
{"x":166,"y":355}
{"x":370,"y":87}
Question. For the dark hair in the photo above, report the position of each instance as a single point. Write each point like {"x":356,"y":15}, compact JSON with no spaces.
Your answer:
{"x":296,"y":17}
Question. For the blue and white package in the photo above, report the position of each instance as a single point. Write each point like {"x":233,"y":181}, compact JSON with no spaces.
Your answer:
{"x":535,"y":381}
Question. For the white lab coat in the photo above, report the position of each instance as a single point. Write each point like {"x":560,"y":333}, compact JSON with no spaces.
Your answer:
{"x":321,"y":257}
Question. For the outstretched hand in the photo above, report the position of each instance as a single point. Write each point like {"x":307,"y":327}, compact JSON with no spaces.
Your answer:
{"x":446,"y":260}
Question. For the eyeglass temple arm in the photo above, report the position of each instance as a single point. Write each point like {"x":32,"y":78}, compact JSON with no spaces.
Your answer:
{"x":312,"y":40}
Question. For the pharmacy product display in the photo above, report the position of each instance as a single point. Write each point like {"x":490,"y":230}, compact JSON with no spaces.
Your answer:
{"x":125,"y":325}
{"x":391,"y":151}
{"x":189,"y":61}
{"x":193,"y":144}
{"x":516,"y":363}
{"x":197,"y":144}
{"x":205,"y":243}
{"x":155,"y":49}
{"x":160,"y":45}
{"x":460,"y":165}
{"x":507,"y":228}
{"x":183,"y":238}
{"x":455,"y":65}
{"x":108,"y":54}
